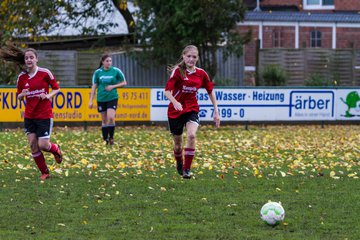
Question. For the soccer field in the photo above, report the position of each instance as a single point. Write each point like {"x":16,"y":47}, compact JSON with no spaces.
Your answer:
{"x":131,"y":190}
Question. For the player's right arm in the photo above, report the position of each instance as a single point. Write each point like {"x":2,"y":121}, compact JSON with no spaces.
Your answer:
{"x":169,"y":91}
{"x":176,"y":104}
{"x":21,"y":92}
{"x":93,"y":89}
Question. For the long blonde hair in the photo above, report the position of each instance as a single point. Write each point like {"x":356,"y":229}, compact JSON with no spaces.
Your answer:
{"x":180,"y":63}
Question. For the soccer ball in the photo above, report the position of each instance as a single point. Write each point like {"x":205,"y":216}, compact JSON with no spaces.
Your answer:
{"x":272,"y":213}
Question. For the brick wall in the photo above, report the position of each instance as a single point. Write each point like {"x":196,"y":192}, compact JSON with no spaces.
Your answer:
{"x":281,"y":2}
{"x":348,"y":38}
{"x":347,"y":5}
{"x":250,"y":48}
{"x":340,"y":5}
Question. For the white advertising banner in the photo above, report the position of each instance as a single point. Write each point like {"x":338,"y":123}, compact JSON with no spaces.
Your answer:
{"x":265,"y":104}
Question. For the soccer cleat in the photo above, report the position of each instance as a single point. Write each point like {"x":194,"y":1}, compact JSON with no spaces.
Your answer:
{"x":111,"y":141}
{"x":45,"y":176}
{"x":179,"y":167}
{"x":58,"y":155}
{"x":186,"y":174}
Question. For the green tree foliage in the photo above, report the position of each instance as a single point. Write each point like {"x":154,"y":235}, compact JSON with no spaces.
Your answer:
{"x":165,"y":27}
{"x":34,"y":19}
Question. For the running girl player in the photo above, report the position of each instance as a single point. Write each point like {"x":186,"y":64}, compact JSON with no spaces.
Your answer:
{"x":181,"y":89}
{"x":33,"y":86}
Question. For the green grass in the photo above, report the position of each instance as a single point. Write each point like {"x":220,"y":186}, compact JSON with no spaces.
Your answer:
{"x":131,"y":190}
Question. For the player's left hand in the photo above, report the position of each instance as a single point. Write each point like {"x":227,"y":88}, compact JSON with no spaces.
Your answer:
{"x":109,"y":88}
{"x":217,"y":119}
{"x":43,"y":96}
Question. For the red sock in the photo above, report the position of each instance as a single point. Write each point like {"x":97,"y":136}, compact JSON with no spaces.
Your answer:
{"x":53,"y":148}
{"x":178,"y":156}
{"x":189,"y":156}
{"x":40,"y":162}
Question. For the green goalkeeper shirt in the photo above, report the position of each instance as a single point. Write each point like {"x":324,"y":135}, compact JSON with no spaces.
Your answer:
{"x":103,"y":78}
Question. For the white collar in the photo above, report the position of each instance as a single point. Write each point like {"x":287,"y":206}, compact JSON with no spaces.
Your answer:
{"x":32,"y":75}
{"x":191,"y":72}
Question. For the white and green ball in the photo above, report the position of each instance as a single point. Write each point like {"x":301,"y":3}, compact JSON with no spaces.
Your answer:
{"x":272,"y":213}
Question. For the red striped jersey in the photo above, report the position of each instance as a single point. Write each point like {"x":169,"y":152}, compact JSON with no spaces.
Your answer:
{"x":184,"y":89}
{"x":37,"y":83}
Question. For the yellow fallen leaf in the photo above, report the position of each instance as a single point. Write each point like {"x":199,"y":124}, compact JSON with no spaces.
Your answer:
{"x":352,"y":174}
{"x":93,"y":167}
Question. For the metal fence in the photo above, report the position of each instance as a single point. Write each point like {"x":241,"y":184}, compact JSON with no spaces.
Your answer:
{"x":74,"y":68}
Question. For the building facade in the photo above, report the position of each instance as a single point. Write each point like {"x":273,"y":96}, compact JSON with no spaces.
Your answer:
{"x":299,"y":24}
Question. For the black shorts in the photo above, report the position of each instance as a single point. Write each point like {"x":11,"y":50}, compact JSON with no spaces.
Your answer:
{"x":41,"y":127}
{"x":104,"y":106}
{"x":176,"y":125}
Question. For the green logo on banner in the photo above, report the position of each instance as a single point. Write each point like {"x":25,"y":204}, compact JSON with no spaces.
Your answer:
{"x":353,"y":103}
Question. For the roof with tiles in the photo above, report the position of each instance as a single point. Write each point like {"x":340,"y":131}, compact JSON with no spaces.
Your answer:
{"x":276,"y":16}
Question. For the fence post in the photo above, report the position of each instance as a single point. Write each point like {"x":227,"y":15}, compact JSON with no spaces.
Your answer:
{"x":257,"y":60}
{"x":353,"y":81}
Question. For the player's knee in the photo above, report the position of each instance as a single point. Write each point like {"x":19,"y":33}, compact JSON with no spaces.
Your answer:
{"x":191,"y":136}
{"x":111,"y":121}
{"x":43,"y":146}
{"x":34,"y":147}
{"x":177,"y":147}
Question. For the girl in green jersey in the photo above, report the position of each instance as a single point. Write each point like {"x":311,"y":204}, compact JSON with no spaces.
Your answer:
{"x":106,"y":79}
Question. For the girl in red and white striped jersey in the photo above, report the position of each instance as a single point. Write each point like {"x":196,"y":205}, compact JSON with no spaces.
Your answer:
{"x":183,"y":109}
{"x":33,"y":85}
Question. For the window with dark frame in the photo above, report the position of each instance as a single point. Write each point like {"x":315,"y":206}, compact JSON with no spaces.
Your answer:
{"x":315,"y":39}
{"x":320,"y":2}
{"x":327,"y":2}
